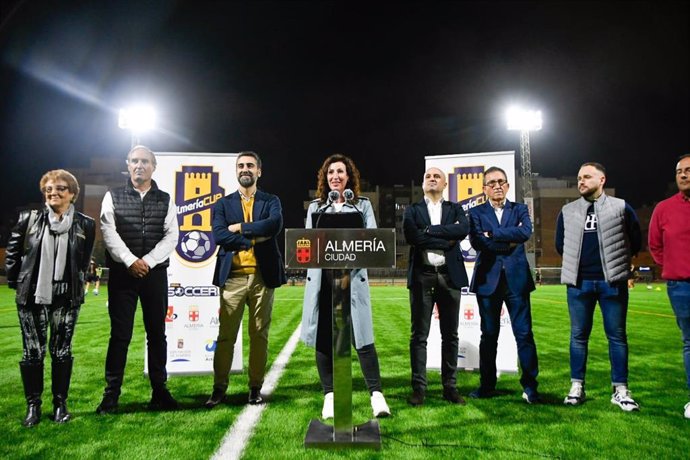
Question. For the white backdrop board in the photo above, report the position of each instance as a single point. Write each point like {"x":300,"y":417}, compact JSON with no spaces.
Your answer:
{"x":465,"y":175}
{"x":195,"y":181}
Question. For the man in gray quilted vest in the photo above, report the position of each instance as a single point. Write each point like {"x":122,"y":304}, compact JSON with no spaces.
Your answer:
{"x":597,"y":235}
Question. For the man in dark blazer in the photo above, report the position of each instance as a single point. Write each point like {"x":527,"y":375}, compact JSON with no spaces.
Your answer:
{"x":434,"y":228}
{"x":249,"y":267}
{"x":498,"y":231}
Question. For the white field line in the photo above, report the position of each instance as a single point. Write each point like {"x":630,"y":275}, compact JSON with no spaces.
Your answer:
{"x":237,"y":437}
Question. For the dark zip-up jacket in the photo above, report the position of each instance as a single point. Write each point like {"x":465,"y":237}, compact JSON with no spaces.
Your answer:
{"x":21,"y":261}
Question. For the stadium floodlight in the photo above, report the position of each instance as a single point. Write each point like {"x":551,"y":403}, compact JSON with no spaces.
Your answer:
{"x":137,"y":120}
{"x":523,"y":120}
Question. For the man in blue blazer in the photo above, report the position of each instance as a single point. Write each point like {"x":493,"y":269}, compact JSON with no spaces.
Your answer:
{"x":249,"y":267}
{"x":498,"y":231}
{"x":434,"y":228}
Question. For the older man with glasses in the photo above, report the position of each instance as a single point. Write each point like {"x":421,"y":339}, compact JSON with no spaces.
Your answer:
{"x":498,"y":230}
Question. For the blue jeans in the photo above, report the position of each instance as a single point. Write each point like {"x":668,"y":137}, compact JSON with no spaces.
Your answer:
{"x":613,"y":301}
{"x":679,"y":295}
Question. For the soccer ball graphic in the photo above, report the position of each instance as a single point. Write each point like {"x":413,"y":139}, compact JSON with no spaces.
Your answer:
{"x":195,"y":245}
{"x":468,"y":252}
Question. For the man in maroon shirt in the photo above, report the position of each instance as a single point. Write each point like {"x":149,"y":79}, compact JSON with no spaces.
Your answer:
{"x":669,"y":242}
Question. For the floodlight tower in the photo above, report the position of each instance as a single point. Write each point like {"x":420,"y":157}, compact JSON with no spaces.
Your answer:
{"x":525,"y":121}
{"x":137,"y":120}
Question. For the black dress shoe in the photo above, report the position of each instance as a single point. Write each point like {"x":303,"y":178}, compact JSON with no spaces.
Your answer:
{"x":416,"y":398}
{"x":107,"y":406}
{"x":451,"y":394}
{"x":531,"y":396}
{"x":216,"y":398}
{"x":255,"y":395}
{"x":161,"y":399}
{"x":481,"y":393}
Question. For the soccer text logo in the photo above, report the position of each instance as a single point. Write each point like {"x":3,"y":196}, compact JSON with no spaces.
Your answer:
{"x":196,"y":191}
{"x":466,"y":186}
{"x":303,"y":251}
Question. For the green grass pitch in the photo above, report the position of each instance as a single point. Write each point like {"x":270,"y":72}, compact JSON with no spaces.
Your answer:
{"x":503,"y":427}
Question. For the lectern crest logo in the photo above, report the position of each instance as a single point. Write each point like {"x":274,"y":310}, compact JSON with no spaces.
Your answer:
{"x":303,"y":251}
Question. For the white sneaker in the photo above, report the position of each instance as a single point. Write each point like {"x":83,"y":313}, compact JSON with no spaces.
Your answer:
{"x":687,"y":410}
{"x":576,"y":395}
{"x":379,"y":406}
{"x":327,"y":411}
{"x":95,"y":292}
{"x":622,"y":398}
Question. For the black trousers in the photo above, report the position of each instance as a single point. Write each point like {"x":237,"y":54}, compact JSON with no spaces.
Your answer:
{"x":368,"y":358}
{"x":123,"y":293}
{"x":36,"y":320}
{"x":429,"y":289}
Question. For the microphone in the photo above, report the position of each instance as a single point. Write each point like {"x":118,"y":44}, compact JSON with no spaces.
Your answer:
{"x":349,"y":195}
{"x":333,"y":196}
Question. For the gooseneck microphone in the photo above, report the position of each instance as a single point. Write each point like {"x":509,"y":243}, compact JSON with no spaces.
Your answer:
{"x":333,"y":196}
{"x":349,"y":196}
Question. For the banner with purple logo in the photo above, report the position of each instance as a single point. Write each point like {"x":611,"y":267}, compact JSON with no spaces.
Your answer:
{"x":195,"y":181}
{"x":465,"y":176}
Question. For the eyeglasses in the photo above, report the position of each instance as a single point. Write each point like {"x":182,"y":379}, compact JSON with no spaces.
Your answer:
{"x":494,"y":183}
{"x":58,"y":188}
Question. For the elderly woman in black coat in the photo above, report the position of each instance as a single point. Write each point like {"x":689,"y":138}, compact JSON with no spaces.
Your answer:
{"x":47,"y":255}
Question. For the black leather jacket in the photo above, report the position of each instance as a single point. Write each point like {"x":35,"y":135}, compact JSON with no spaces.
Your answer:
{"x":20,"y":263}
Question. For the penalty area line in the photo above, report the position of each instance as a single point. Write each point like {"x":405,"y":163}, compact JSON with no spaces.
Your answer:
{"x":237,"y":437}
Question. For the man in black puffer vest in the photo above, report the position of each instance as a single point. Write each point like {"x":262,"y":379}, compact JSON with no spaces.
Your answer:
{"x":139,"y":224}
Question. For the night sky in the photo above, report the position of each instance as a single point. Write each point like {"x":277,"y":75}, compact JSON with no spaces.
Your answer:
{"x":385,"y":83}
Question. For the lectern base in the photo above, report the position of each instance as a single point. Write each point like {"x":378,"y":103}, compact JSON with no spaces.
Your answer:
{"x":364,"y":436}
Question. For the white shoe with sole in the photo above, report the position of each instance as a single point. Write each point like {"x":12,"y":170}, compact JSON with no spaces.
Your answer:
{"x":379,"y":406}
{"x":687,"y":410}
{"x":327,"y":411}
{"x":622,"y":398}
{"x":576,"y":395}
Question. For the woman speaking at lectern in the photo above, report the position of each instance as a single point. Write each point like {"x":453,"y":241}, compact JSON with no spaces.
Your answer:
{"x":338,"y":192}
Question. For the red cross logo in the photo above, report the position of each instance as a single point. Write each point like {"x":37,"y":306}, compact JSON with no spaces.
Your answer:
{"x":303,"y":255}
{"x":469,"y":314}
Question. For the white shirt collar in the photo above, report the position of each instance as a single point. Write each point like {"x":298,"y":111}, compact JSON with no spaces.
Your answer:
{"x":429,"y":201}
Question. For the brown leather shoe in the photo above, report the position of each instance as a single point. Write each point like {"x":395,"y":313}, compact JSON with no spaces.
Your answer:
{"x":416,"y":398}
{"x":451,"y":394}
{"x":217,"y":397}
{"x":108,"y":405}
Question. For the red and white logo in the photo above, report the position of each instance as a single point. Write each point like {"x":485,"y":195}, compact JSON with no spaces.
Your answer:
{"x":194,"y":313}
{"x":303,"y":251}
{"x":468,"y":314}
